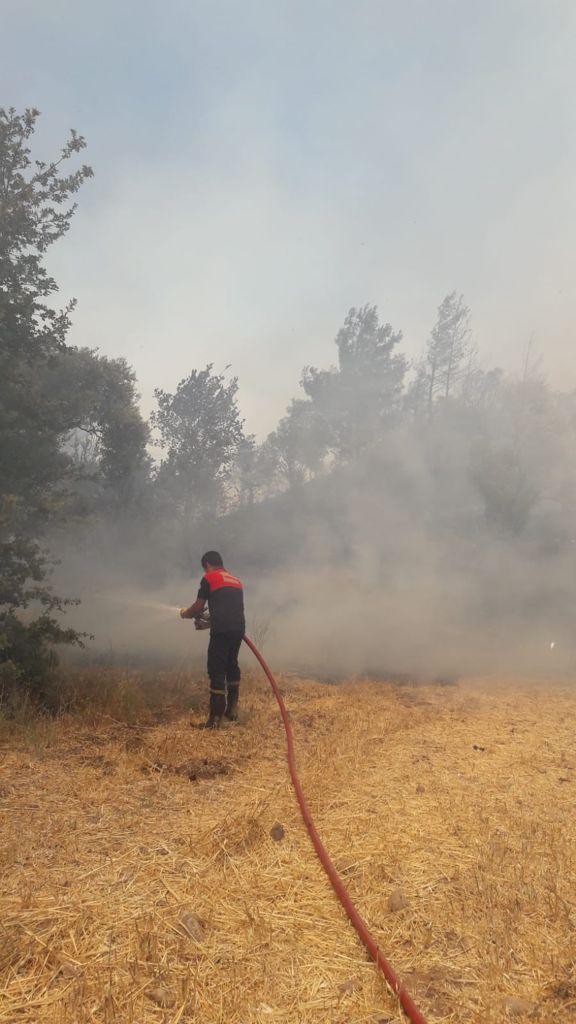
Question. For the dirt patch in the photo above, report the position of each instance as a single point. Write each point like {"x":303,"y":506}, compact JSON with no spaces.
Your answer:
{"x":195,"y":771}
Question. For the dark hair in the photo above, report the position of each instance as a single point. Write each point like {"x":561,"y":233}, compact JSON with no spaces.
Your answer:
{"x":212,"y":558}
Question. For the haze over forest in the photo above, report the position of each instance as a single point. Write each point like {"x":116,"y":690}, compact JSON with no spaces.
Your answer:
{"x":322,"y":259}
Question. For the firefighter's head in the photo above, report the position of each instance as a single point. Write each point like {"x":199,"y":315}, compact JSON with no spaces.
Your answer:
{"x":211,"y":560}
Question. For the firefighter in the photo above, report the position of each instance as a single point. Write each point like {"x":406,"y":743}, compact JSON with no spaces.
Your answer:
{"x":224,"y":595}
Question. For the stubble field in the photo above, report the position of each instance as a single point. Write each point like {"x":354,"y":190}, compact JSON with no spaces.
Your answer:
{"x":153,"y":873}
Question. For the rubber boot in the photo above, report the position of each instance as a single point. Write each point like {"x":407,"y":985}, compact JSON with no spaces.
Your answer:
{"x":232,"y":702}
{"x":217,"y":706}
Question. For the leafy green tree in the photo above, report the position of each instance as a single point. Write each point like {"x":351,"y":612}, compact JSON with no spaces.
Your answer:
{"x":35,"y":211}
{"x":201,"y":434}
{"x":360,"y":398}
{"x":107,"y":436}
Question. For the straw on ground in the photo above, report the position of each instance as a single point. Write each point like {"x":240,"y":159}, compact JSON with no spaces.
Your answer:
{"x":145,"y":877}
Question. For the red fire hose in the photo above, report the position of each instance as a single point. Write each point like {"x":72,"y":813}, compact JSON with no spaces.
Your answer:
{"x":406,"y":1001}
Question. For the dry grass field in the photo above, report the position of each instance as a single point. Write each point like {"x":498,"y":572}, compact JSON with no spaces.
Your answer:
{"x":146,"y":880}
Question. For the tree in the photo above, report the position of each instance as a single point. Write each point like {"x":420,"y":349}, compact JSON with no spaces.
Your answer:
{"x":252,"y":472}
{"x":480,"y":389}
{"x":35,"y":212}
{"x":297,"y":448}
{"x":362,"y":397}
{"x":447,"y":355}
{"x":107,"y":437}
{"x":523,"y":454}
{"x":201,"y":432}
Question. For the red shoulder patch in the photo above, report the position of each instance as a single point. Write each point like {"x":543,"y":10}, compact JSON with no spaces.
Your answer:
{"x":219,"y":578}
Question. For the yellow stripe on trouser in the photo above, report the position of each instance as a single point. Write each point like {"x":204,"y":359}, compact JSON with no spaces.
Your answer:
{"x":212,"y":690}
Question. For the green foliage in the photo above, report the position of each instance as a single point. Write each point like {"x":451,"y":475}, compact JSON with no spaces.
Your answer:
{"x":34,"y":212}
{"x":105,"y":436}
{"x":201,"y":433}
{"x":26,"y":645}
{"x":33,"y":215}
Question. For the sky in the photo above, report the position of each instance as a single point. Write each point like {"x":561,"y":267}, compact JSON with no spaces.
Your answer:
{"x":261,"y":166}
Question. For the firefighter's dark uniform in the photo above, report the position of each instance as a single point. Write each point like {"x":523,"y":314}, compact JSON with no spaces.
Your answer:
{"x":225,"y":596}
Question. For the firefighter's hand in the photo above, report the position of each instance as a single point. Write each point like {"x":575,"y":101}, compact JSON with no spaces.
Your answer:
{"x":202,"y":623}
{"x":183,"y":613}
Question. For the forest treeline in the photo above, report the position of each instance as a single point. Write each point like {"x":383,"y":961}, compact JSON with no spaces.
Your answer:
{"x":376,"y":458}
